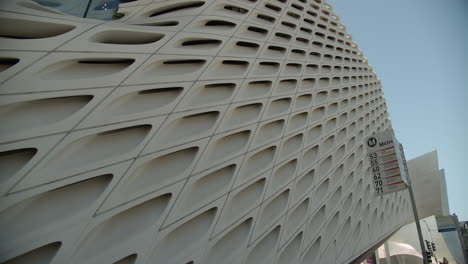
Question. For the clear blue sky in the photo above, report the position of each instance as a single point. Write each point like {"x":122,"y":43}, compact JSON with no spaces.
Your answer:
{"x":419,"y":50}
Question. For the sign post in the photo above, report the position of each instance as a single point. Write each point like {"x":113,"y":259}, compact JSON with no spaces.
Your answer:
{"x":418,"y":226}
{"x":390,"y":173}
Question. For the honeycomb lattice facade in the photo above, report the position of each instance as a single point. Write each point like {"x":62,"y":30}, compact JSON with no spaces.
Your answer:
{"x":224,"y":131}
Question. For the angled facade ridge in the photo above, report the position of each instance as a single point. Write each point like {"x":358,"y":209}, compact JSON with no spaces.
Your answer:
{"x":188,"y":131}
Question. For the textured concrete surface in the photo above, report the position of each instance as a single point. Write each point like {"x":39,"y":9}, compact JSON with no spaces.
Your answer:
{"x":188,"y":132}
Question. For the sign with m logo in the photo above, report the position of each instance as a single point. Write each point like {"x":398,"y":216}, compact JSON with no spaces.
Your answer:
{"x":371,"y":142}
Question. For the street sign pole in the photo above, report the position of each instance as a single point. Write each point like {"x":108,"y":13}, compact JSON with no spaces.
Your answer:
{"x":415,"y":211}
{"x":390,"y":172}
{"x":416,"y":220}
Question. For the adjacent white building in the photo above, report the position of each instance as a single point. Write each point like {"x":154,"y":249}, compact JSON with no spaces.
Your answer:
{"x":430,"y":189}
{"x":204,"y":131}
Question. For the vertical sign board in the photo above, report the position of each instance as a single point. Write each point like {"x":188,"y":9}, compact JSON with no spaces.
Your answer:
{"x":445,"y":223}
{"x":387,"y":162}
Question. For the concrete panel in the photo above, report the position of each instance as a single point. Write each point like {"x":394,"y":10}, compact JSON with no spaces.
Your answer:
{"x":208,"y":131}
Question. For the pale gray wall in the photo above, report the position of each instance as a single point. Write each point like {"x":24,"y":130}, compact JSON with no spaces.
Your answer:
{"x":444,"y":194}
{"x":248,"y":149}
{"x":425,"y":177}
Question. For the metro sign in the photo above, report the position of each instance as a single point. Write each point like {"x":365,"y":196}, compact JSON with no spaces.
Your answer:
{"x":387,"y":162}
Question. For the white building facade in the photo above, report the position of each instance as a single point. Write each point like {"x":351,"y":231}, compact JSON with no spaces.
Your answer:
{"x":227,"y":131}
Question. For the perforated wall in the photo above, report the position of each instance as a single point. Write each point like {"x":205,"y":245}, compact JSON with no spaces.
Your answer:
{"x":224,"y":131}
